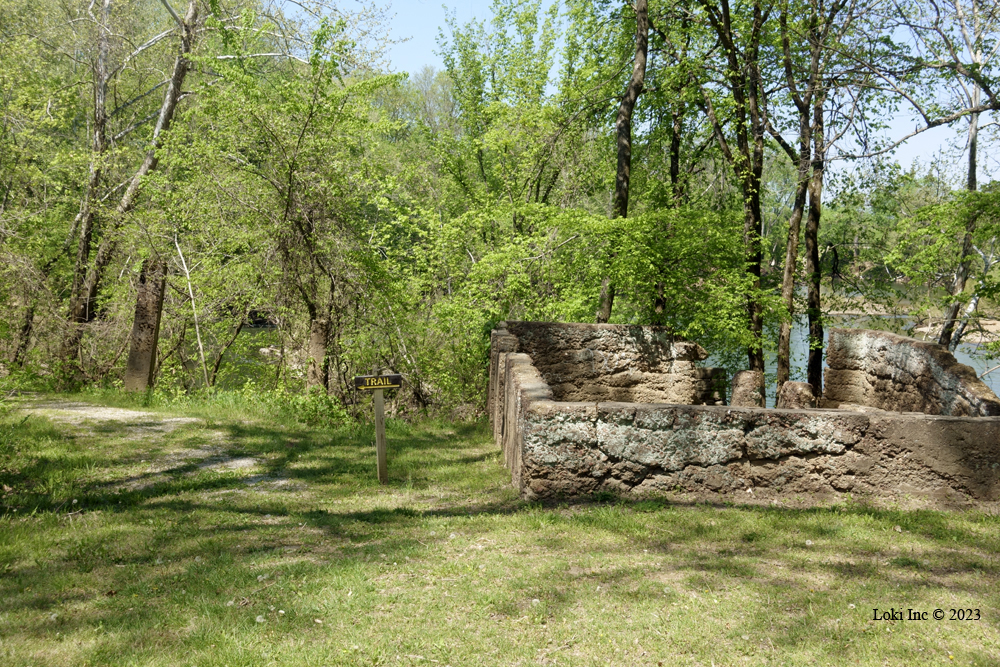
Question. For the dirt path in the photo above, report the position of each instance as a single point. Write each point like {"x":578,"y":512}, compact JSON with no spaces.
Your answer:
{"x":172,"y":446}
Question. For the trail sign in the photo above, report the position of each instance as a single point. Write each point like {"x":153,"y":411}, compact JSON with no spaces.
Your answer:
{"x":376,"y":383}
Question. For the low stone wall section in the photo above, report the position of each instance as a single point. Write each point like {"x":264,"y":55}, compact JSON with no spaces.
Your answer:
{"x":579,"y":448}
{"x":899,"y":374}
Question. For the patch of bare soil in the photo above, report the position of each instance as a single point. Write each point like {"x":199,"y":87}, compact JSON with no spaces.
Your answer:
{"x":136,"y":422}
{"x":213,"y":454}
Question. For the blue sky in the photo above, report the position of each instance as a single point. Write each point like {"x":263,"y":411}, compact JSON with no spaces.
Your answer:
{"x":420,"y":21}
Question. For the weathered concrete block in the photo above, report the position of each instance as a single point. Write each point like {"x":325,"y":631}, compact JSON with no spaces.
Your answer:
{"x":796,"y":395}
{"x":748,"y":389}
{"x":901,"y":374}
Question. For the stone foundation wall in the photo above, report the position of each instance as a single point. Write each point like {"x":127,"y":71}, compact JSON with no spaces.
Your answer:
{"x":559,"y":447}
{"x":899,"y":374}
{"x":614,"y":362}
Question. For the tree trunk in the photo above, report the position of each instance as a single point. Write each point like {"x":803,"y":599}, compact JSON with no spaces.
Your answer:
{"x":659,"y":304}
{"x":749,"y":121}
{"x":225,"y":347}
{"x":957,"y":286}
{"x":677,"y":126}
{"x":814,"y":366}
{"x":24,"y":336}
{"x":319,"y":367}
{"x":623,"y":129}
{"x":85,"y":294}
{"x":606,"y":302}
{"x":752,"y":233}
{"x":79,"y":305}
{"x":146,"y":326}
{"x":788,"y":277}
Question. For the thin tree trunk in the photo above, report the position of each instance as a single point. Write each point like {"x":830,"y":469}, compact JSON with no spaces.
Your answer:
{"x":80,"y":307}
{"x":814,"y":365}
{"x":752,"y":234}
{"x":788,"y":276}
{"x":194,"y":311}
{"x":85,"y":294}
{"x":957,"y":286}
{"x":24,"y":336}
{"x":623,"y":128}
{"x":146,"y":326}
{"x":677,"y":126}
{"x":803,"y":98}
{"x":222,"y":352}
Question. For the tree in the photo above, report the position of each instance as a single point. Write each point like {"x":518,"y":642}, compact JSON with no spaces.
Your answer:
{"x":623,"y":133}
{"x":87,"y":277}
{"x":741,"y":132}
{"x":293,"y":139}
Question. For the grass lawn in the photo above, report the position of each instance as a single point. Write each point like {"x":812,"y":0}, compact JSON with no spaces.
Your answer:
{"x":214,"y":537}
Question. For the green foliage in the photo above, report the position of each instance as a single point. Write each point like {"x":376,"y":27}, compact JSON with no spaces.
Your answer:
{"x":302,"y":187}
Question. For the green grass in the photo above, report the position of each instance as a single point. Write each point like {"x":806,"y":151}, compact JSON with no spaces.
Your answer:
{"x":302,"y":559}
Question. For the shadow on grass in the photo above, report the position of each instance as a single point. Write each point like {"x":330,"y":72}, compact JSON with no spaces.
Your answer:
{"x":131,"y":571}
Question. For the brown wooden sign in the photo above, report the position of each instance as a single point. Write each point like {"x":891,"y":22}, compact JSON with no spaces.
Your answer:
{"x":378,"y":381}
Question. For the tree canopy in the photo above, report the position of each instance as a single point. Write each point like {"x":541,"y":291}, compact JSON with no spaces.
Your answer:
{"x":297,"y":214}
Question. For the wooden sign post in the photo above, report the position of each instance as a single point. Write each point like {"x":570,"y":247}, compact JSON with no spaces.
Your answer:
{"x":377,"y":383}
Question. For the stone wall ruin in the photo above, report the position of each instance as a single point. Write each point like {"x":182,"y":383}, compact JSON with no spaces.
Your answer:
{"x":882,"y":370}
{"x":579,"y":409}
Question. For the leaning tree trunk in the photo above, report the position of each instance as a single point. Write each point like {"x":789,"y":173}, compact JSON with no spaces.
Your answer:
{"x":623,"y":128}
{"x":84,"y":295}
{"x":146,"y":326}
{"x":24,"y":336}
{"x":80,"y":307}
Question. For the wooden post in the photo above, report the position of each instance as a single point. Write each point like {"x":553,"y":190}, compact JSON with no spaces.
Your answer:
{"x":380,"y":453}
{"x":375,"y":384}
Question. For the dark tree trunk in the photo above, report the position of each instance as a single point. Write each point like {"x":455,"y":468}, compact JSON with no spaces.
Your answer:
{"x":788,"y":276}
{"x":752,"y":234}
{"x":623,"y":130}
{"x":957,"y":286}
{"x":747,"y":160}
{"x":24,"y":336}
{"x":659,"y":304}
{"x":802,"y":97}
{"x":814,"y":366}
{"x":677,"y":127}
{"x":141,"y":363}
